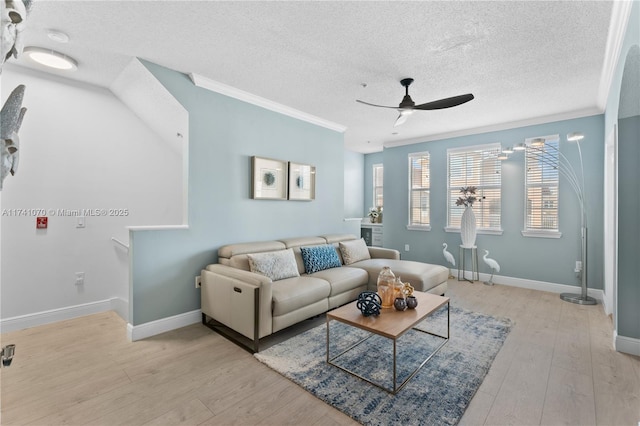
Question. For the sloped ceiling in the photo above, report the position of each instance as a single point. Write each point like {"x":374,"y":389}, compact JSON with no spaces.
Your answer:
{"x":522,"y":60}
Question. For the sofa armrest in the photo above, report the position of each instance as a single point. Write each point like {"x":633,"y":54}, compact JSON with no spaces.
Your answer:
{"x":228,"y":297}
{"x":383,"y":253}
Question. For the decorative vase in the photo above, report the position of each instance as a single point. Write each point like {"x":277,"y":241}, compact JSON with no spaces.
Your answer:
{"x":400,"y":304}
{"x":386,"y":287}
{"x":372,"y":219}
{"x":398,"y":288}
{"x":412,"y":302}
{"x":468,"y":227}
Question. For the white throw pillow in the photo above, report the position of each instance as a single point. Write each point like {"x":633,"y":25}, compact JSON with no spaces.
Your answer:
{"x":354,"y":251}
{"x":276,"y":265}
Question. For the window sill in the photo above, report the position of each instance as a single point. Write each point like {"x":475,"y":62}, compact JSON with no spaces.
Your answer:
{"x":485,"y":231}
{"x":419,"y":227}
{"x":542,"y":234}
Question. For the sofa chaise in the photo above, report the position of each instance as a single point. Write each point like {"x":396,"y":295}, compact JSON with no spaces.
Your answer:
{"x":259,"y":288}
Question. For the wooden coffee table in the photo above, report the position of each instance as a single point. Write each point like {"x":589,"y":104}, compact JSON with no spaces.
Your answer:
{"x":391,"y":324}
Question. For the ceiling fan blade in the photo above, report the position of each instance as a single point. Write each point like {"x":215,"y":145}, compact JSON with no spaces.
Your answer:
{"x":401,"y":119}
{"x":381,"y":106}
{"x":445,"y":103}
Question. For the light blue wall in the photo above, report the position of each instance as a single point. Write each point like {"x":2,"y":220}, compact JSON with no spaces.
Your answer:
{"x":628,"y":291}
{"x":353,"y":184}
{"x":629,"y":238}
{"x":224,"y":134}
{"x":543,"y":259}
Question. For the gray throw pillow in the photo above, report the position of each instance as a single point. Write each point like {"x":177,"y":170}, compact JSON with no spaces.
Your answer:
{"x":354,"y":251}
{"x":276,"y":265}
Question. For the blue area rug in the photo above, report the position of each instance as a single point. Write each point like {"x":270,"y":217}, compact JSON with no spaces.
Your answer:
{"x":437,"y":395}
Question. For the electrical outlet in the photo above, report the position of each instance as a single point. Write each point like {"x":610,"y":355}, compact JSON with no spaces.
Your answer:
{"x":198,"y":282}
{"x":406,"y":247}
{"x":79,"y":278}
{"x":578,"y":266}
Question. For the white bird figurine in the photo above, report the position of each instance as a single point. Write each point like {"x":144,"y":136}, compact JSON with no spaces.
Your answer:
{"x":491,"y":263}
{"x":449,"y":258}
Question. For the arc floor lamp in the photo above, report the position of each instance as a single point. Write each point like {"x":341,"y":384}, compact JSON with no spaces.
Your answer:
{"x":537,"y":148}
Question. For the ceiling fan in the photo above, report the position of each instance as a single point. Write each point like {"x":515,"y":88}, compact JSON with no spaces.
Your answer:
{"x":407,"y":106}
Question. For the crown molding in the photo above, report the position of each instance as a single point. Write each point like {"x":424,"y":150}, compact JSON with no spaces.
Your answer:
{"x":233,"y":92}
{"x":587,"y":112}
{"x":620,"y":13}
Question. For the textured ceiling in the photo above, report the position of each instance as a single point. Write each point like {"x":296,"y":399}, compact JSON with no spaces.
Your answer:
{"x":521,"y":60}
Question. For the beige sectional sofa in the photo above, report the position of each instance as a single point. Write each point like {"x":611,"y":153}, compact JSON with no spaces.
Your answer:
{"x":259,"y":288}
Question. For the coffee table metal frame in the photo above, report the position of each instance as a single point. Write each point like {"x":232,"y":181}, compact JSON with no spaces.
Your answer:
{"x":372,"y":331}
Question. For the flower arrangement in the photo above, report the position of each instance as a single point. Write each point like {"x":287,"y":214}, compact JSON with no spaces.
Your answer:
{"x":468,"y":196}
{"x":374,"y":212}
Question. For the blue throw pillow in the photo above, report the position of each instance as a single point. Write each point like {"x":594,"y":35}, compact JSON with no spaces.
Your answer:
{"x":319,"y":258}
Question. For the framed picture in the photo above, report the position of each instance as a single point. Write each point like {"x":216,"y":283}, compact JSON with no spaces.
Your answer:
{"x":268,"y":179}
{"x":302,"y":182}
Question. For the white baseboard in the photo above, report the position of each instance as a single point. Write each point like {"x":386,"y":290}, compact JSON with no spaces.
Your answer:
{"x":628,"y":345}
{"x":536,"y":285}
{"x":148,"y":329}
{"x":54,"y":315}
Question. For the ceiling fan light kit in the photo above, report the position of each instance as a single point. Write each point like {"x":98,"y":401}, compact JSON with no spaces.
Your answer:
{"x":408,"y":106}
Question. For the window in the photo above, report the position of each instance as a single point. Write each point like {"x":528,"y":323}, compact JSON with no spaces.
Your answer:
{"x":419,"y":209}
{"x":475,"y":166}
{"x":378,"y":180}
{"x":541,"y":188}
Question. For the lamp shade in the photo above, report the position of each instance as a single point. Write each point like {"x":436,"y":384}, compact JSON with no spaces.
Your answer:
{"x":537,"y":142}
{"x":519,"y":147}
{"x":575,"y":137}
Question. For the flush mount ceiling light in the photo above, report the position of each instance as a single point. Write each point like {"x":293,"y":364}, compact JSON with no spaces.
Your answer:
{"x":537,"y":142}
{"x":51,"y":58}
{"x":575,"y":137}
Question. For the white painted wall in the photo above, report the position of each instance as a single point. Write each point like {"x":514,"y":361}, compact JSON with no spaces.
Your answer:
{"x":81,"y":148}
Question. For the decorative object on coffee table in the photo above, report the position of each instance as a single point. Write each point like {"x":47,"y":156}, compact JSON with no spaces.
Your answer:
{"x":408,"y":289}
{"x":386,"y":287}
{"x":398,"y":288}
{"x":412,"y":302}
{"x":369,"y":303}
{"x":400,"y":304}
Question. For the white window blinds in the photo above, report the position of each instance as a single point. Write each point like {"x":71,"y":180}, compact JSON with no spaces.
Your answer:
{"x":378,"y":181}
{"x":419,"y":185}
{"x":541,"y":181}
{"x":475,"y":166}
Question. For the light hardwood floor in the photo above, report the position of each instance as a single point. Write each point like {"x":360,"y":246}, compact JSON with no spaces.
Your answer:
{"x":556,"y":367}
